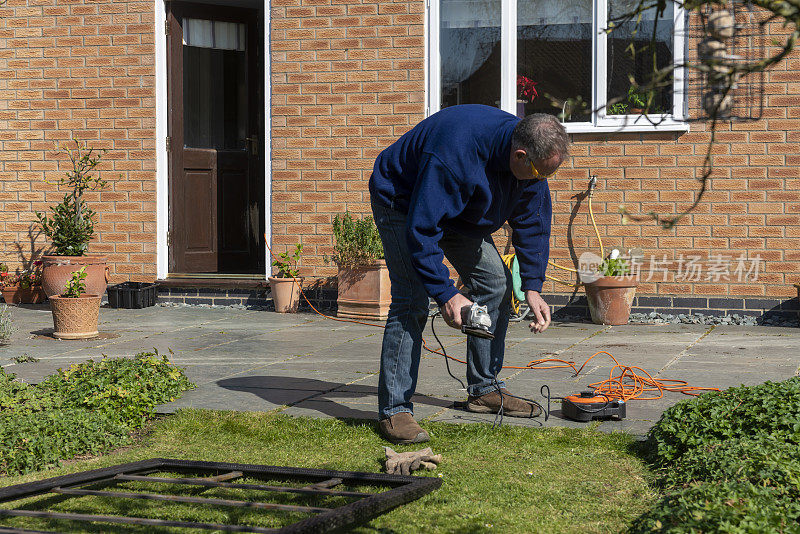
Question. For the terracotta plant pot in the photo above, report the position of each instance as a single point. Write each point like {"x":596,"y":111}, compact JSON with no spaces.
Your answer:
{"x":17,"y":295}
{"x":75,"y":317}
{"x":56,"y":270}
{"x":364,"y":292}
{"x":610,"y":299}
{"x":286,"y":293}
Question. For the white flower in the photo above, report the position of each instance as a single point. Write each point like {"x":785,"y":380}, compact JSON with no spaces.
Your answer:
{"x":614,"y":254}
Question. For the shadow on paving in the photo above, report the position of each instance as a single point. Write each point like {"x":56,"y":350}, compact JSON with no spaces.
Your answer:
{"x":328,"y":398}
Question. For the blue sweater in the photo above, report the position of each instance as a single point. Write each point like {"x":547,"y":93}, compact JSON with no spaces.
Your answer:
{"x":451,"y":172}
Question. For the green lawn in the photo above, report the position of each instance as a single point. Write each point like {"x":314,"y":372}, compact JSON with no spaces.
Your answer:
{"x":515,"y":480}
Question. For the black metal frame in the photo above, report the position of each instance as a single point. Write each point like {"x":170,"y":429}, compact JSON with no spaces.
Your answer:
{"x":320,"y":482}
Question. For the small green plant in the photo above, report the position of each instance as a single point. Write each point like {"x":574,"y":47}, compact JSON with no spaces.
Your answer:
{"x":75,"y":286}
{"x":287,"y":263}
{"x":620,"y":108}
{"x":614,"y":265}
{"x":638,"y":98}
{"x":24,"y":358}
{"x":70,"y":225}
{"x":357,"y":241}
{"x":6,"y":326}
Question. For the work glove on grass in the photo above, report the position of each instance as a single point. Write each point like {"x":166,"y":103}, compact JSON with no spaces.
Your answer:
{"x":403,"y":463}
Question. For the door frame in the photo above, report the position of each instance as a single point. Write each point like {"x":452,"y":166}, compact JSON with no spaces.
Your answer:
{"x":162,"y":155}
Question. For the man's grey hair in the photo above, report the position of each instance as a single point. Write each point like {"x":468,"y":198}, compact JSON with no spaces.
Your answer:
{"x":541,"y":136}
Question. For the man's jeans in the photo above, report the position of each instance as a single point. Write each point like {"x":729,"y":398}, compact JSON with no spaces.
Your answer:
{"x":489,"y":282}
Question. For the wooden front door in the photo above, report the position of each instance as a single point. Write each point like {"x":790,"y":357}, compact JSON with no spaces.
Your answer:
{"x":216,"y":124}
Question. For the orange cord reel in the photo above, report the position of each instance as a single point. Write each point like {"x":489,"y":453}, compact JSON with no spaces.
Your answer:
{"x":589,"y":405}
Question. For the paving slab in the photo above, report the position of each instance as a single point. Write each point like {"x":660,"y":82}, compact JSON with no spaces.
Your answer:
{"x":303,"y":364}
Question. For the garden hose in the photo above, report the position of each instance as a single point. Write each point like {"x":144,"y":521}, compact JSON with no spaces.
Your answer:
{"x":510,"y":260}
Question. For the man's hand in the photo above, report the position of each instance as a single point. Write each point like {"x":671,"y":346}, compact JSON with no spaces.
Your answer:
{"x":451,"y":311}
{"x":540,"y":310}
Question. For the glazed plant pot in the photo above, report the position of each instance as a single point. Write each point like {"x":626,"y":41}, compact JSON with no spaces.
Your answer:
{"x":56,"y":270}
{"x":286,"y":293}
{"x":75,"y":317}
{"x":610,"y":299}
{"x":364,"y":292}
{"x":18,"y":295}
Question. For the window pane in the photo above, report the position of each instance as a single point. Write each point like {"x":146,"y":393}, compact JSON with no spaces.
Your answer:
{"x":469,"y":42}
{"x":554,"y":50}
{"x":213,"y":34}
{"x":214,"y":97}
{"x":622,"y":64}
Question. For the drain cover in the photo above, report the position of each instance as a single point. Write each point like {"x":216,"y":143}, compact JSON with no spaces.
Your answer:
{"x":323,"y":500}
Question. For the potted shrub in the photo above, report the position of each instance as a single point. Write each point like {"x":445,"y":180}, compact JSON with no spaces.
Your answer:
{"x":610,"y":293}
{"x":75,"y":313}
{"x":363,"y":279}
{"x":70,"y":226}
{"x":22,"y":288}
{"x":286,"y":283}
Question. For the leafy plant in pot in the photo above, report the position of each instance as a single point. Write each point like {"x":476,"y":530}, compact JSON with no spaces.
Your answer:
{"x":286,"y":283}
{"x":610,"y":291}
{"x":22,"y":288}
{"x":69,"y":225}
{"x":363,"y":279}
{"x":75,"y":313}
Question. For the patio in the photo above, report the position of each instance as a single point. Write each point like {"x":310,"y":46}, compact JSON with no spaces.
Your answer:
{"x":304,"y":364}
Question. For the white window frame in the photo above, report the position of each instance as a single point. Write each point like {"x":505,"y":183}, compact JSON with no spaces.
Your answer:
{"x":600,"y":122}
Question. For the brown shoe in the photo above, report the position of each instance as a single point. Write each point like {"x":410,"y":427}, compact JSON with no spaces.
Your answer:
{"x":401,"y":429}
{"x":512,"y":406}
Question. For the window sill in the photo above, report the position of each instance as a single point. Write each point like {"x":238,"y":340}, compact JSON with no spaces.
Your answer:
{"x":629,"y":124}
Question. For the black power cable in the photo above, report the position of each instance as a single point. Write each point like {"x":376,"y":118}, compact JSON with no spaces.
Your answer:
{"x":495,"y":383}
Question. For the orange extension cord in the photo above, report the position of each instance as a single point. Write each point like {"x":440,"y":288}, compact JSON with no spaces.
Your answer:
{"x":628,"y":385}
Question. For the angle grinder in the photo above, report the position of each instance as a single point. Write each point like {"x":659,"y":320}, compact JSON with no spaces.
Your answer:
{"x":475,"y":321}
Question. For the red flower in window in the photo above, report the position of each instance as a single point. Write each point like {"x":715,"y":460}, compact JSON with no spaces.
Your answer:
{"x":526,"y":88}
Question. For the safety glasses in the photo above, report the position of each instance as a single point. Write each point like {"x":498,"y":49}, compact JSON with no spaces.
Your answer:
{"x":538,"y":175}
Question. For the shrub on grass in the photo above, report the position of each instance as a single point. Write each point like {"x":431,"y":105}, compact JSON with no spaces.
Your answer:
{"x":35,"y":440}
{"x":760,"y":459}
{"x":88,"y":409}
{"x":730,"y":507}
{"x":729,"y":462}
{"x":126,"y":389}
{"x":772,"y":408}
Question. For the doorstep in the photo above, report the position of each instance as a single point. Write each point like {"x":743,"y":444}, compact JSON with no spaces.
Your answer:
{"x":233,"y":291}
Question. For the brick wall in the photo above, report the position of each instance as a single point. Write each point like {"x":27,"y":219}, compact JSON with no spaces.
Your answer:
{"x":751,"y":208}
{"x":348,"y":80}
{"x":77,"y":69}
